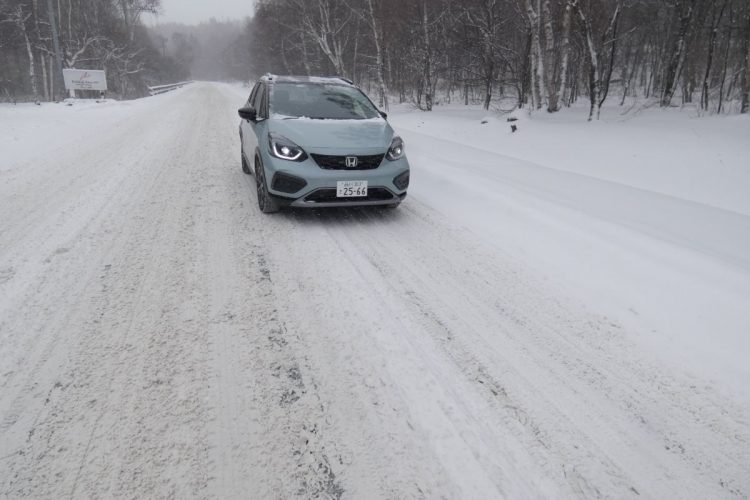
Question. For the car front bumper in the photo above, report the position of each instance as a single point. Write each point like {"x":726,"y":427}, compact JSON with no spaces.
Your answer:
{"x":320,"y":184}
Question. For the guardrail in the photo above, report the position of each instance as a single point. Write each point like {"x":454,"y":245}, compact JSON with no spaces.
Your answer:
{"x":160,"y":89}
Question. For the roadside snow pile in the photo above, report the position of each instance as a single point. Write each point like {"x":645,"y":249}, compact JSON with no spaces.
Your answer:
{"x":29,"y":131}
{"x":644,"y":218}
{"x":669,"y":152}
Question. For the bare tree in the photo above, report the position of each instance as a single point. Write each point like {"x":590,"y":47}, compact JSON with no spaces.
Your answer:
{"x":564,"y":65}
{"x":326,"y":22}
{"x":538,"y":75}
{"x":19,"y":16}
{"x":717,"y":14}
{"x":684,"y":12}
{"x":379,"y":62}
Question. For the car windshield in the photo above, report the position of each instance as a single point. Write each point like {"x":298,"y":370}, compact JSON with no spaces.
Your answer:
{"x":321,"y":101}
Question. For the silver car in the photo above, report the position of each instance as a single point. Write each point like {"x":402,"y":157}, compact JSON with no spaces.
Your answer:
{"x":320,"y":142}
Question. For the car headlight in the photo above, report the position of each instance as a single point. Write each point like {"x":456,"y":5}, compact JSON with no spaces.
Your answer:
{"x":283,"y":148}
{"x":396,"y":151}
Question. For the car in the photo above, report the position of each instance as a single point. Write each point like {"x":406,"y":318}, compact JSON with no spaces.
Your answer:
{"x":320,"y":142}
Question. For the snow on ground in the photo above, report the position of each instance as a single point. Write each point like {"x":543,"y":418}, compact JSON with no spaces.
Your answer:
{"x":543,"y":317}
{"x":644,"y":218}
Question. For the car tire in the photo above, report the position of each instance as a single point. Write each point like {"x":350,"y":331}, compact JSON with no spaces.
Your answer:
{"x":245,"y":166}
{"x":266,"y":203}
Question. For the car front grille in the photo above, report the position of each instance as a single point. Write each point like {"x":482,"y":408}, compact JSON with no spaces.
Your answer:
{"x":330,"y":162}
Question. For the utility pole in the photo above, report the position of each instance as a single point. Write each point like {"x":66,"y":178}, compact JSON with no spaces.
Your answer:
{"x":56,"y":43}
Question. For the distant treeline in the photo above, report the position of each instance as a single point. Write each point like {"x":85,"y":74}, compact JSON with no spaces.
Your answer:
{"x":544,"y":54}
{"x":93,"y":34}
{"x":211,"y":49}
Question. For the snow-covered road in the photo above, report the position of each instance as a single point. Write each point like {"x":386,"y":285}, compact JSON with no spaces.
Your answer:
{"x":159,"y":337}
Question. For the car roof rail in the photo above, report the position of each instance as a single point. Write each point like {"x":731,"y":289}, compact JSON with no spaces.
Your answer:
{"x":347,"y":80}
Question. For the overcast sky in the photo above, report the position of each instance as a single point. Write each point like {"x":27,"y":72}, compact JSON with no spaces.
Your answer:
{"x":195,"y":11}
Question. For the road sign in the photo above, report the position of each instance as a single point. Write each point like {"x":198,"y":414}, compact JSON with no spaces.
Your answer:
{"x":85,"y":79}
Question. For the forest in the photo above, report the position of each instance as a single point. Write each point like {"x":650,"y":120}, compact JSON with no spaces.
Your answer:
{"x":536,"y":54}
{"x":90,"y":34}
{"x":541,"y":54}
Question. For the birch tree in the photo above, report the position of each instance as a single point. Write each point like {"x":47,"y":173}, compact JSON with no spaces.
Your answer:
{"x":746,"y":73}
{"x":538,"y":76}
{"x":379,"y":61}
{"x":326,"y":22}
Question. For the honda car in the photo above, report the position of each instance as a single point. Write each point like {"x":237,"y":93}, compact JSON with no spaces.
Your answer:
{"x":320,"y":142}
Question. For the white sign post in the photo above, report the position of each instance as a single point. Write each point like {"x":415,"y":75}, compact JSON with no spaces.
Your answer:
{"x":84,"y":79}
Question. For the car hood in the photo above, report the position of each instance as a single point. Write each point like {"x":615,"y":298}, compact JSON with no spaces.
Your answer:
{"x":335,"y":136}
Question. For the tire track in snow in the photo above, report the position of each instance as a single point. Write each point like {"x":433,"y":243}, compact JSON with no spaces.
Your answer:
{"x":211,"y":351}
{"x":268,"y":417}
{"x":583,"y":350}
{"x":117,"y":348}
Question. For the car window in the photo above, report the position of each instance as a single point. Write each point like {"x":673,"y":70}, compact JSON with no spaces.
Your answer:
{"x":321,"y":101}
{"x":263,"y":109}
{"x":257,"y":100}
{"x":252,"y":94}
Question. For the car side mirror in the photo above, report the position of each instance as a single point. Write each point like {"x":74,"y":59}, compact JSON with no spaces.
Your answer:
{"x":248,"y":113}
{"x":383,"y":114}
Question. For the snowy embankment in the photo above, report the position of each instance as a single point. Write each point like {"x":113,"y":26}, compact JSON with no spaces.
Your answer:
{"x":645,"y":217}
{"x":559,"y":312}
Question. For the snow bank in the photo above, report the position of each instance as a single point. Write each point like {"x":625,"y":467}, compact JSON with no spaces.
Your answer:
{"x":29,"y":131}
{"x":644,"y":218}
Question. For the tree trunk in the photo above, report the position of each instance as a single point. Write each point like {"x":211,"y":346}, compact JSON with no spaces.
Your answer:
{"x":38,"y":32}
{"x":604,"y":85}
{"x":710,"y":57}
{"x":594,"y":78}
{"x":51,"y":78}
{"x":427,"y":69}
{"x":565,"y":52}
{"x":724,"y":69}
{"x":678,"y":54}
{"x":538,"y":83}
{"x":305,"y":58}
{"x":746,"y":75}
{"x":631,"y":75}
{"x":355,"y":54}
{"x":527,"y":75}
{"x":380,"y":67}
{"x":553,"y":103}
{"x":488,"y":90}
{"x":21,"y":22}
{"x":44,"y":76}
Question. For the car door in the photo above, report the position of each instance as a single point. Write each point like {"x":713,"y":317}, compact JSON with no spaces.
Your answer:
{"x":260,"y":127}
{"x":251,"y":132}
{"x":249,"y":141}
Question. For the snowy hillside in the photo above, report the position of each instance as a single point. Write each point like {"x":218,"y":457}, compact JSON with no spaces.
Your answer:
{"x":560,"y":312}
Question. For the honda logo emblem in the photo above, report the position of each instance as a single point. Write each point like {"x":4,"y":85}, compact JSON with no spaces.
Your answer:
{"x":351,"y":161}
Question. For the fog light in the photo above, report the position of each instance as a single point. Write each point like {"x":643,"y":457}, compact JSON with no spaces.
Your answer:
{"x":401,"y":181}
{"x":287,"y":183}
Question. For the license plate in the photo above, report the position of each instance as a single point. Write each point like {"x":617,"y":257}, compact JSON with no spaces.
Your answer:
{"x":351,"y":189}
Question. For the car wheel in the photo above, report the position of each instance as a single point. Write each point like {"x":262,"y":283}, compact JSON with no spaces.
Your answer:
{"x":266,"y":203}
{"x":245,"y":166}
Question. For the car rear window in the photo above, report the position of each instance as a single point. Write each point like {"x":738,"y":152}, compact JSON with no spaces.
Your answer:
{"x":321,"y":101}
